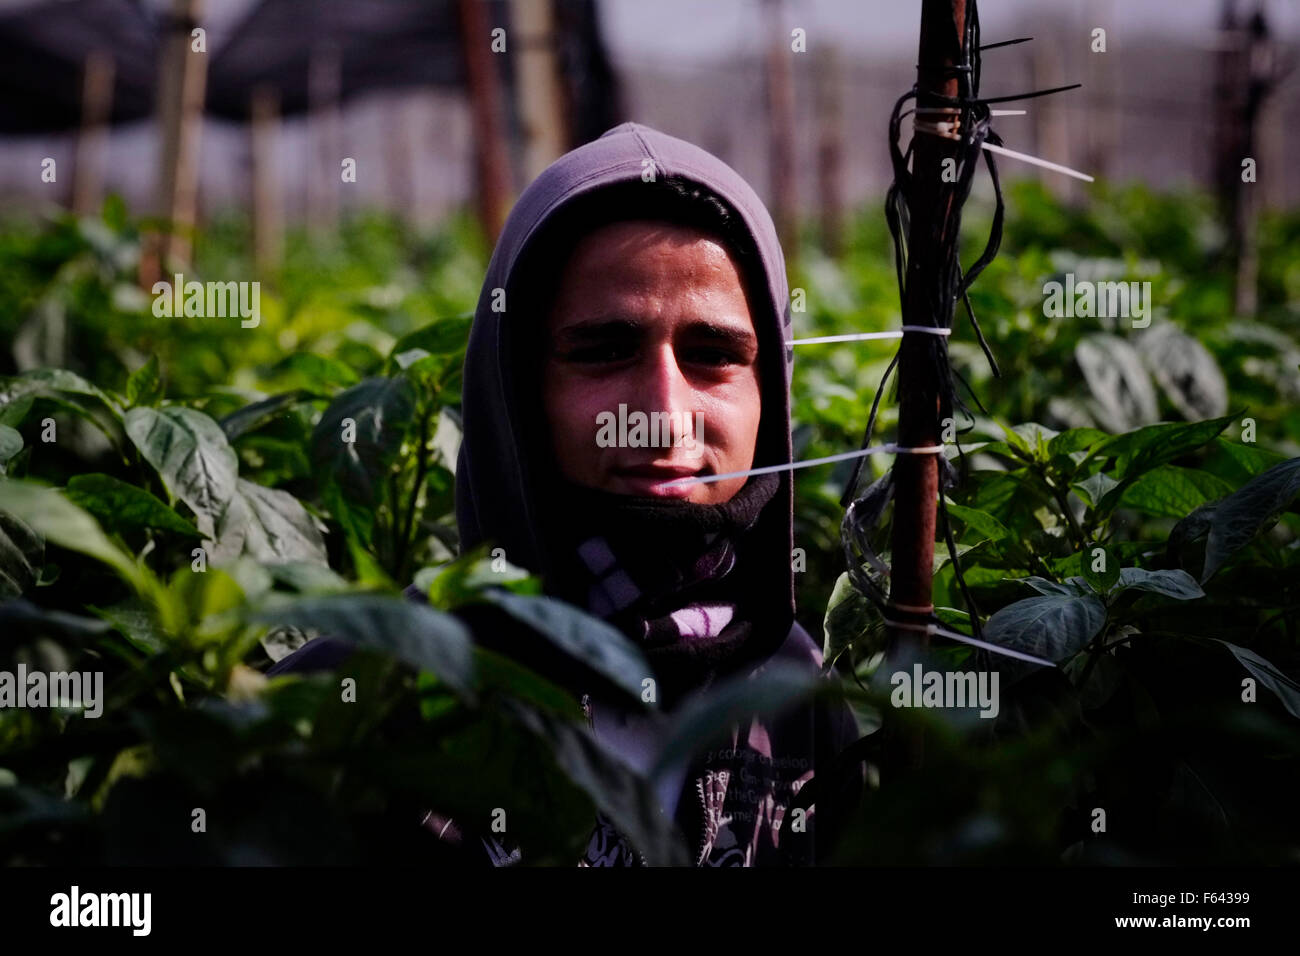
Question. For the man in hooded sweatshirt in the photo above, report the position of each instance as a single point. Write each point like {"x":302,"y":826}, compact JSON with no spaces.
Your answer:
{"x":632,"y":334}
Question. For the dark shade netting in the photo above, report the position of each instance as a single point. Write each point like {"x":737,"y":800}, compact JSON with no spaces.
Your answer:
{"x":379,"y":44}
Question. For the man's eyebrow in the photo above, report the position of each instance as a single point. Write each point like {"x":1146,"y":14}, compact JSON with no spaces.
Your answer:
{"x":598,"y":329}
{"x":607,"y":327}
{"x":735,"y":335}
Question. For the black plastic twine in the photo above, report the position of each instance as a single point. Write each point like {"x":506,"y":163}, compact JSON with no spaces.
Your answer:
{"x":863,"y":513}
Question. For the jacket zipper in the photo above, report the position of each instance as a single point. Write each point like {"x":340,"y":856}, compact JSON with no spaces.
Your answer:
{"x":704,"y":822}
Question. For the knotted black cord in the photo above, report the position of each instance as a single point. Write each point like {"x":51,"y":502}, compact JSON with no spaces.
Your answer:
{"x":862,"y":515}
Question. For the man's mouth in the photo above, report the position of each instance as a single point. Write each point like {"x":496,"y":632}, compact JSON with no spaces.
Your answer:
{"x":651,"y":480}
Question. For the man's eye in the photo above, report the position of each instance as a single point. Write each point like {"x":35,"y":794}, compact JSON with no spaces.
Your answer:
{"x":717,"y":357}
{"x":596,"y":354}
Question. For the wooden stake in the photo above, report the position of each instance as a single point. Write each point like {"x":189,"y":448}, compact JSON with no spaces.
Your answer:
{"x":932,"y":211}
{"x":324,"y":137}
{"x":492,"y":172}
{"x":537,"y":84}
{"x":182,"y":82}
{"x":780,"y":115}
{"x":268,"y":208}
{"x":96,"y":110}
{"x":830,"y":148}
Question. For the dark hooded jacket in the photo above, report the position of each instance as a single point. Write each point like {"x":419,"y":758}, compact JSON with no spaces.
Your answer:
{"x":733,"y":799}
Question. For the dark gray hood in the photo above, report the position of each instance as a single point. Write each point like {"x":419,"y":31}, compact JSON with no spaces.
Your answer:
{"x":495,"y":496}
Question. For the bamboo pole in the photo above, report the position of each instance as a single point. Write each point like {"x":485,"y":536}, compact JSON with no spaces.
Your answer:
{"x":268,"y":207}
{"x":933,"y":209}
{"x":830,"y":148}
{"x":398,"y":161}
{"x":537,"y":84}
{"x":96,"y":111}
{"x":491,"y":169}
{"x":182,"y":83}
{"x":780,"y":114}
{"x":1261,"y":77}
{"x":324,"y":137}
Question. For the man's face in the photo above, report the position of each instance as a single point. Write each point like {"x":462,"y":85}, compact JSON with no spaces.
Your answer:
{"x":653,"y":317}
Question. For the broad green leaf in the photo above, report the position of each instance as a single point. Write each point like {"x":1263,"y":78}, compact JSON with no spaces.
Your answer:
{"x":1235,"y":520}
{"x":145,"y":386}
{"x":22,"y":554}
{"x":319,"y":371}
{"x":1028,"y":441}
{"x":443,"y":337}
{"x":621,"y":793}
{"x":1246,"y":460}
{"x":307,"y":577}
{"x":358,"y":523}
{"x":1174,"y":583}
{"x":982,"y":523}
{"x":1123,"y":396}
{"x":1054,"y":626}
{"x":1140,"y":451}
{"x":1044,"y":586}
{"x":1172,"y":492}
{"x":409,"y":357}
{"x":707,"y":717}
{"x":48,"y":513}
{"x":14,"y":412}
{"x":21,"y":616}
{"x":268,"y":524}
{"x":280,"y":642}
{"x":191,"y":455}
{"x":1094,"y":488}
{"x":1267,"y":674}
{"x":435,"y":374}
{"x":1185,"y":371}
{"x":1075,"y":439}
{"x":134,"y":620}
{"x":1102,"y":578}
{"x":851,"y":620}
{"x":357,"y":457}
{"x":1146,"y":448}
{"x":257,"y":414}
{"x":65,"y":390}
{"x":48,"y":381}
{"x":1036,"y":438}
{"x":589,"y":639}
{"x":119,"y":505}
{"x":505,"y":675}
{"x":414,"y":633}
{"x":11,"y":443}
{"x":465,"y":578}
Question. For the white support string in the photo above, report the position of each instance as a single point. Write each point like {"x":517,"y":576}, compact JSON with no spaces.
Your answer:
{"x":945,"y":131}
{"x":889,"y":448}
{"x":865,"y":336}
{"x":933,"y":629}
{"x":1026,"y":158}
{"x":954,"y":111}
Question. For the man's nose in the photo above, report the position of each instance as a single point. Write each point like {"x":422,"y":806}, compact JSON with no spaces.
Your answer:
{"x":665,"y":387}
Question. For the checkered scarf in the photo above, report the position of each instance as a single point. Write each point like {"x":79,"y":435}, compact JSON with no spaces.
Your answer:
{"x":676,"y":577}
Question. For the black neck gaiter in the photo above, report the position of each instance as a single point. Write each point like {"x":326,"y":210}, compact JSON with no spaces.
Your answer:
{"x":678,"y":578}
